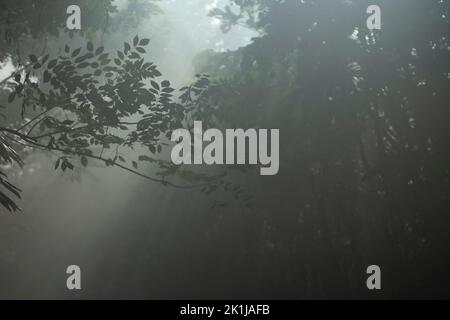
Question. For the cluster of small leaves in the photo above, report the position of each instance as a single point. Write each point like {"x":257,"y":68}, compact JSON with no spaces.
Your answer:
{"x":65,"y":163}
{"x":89,"y":99}
{"x":8,"y":156}
{"x":95,"y":92}
{"x":196,"y":99}
{"x":215,"y":103}
{"x":91,"y":103}
{"x":205,"y":100}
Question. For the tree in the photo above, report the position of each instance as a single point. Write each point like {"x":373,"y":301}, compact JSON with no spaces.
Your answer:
{"x":364,"y":173}
{"x":86,"y":103}
{"x":89,"y":100}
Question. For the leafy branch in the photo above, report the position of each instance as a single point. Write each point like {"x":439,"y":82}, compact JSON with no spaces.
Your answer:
{"x":88,"y":98}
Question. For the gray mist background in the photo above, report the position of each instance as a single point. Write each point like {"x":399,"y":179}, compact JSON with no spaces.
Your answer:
{"x":364,"y":162}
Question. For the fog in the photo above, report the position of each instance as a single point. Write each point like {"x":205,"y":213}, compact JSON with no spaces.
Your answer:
{"x":103,"y":219}
{"x":360,"y":99}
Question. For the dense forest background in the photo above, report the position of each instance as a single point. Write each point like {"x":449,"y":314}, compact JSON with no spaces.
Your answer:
{"x":364,"y":149}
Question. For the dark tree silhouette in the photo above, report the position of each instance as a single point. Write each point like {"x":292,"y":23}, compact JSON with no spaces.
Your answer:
{"x":364,"y":141}
{"x":364,"y":157}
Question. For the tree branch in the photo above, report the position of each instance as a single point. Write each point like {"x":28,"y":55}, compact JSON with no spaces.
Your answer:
{"x":49,"y":134}
{"x":18,"y":134}
{"x":32,"y":143}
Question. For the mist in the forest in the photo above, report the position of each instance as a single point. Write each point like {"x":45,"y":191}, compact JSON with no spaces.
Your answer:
{"x":94,"y":218}
{"x":363,"y":180}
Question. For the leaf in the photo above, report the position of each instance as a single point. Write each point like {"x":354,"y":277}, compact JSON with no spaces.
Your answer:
{"x":90,"y":46}
{"x":80,"y":59}
{"x":144,"y":42}
{"x":99,"y":50}
{"x":127,"y":47}
{"x":168,"y":90}
{"x":33,"y":58}
{"x":76,"y":52}
{"x":141,"y":50}
{"x":135,"y":41}
{"x":58,"y":68}
{"x":47,"y":76}
{"x":110,"y":69}
{"x":146,"y":158}
{"x":57,"y":163}
{"x":147,"y":65}
{"x":121,"y":55}
{"x":52,"y":64}
{"x":104,"y":56}
{"x":165,"y":84}
{"x":134,"y":55}
{"x":84,"y":161}
{"x":11,"y":97}
{"x":17,"y":77}
{"x":155,"y":85}
{"x":19,"y":88}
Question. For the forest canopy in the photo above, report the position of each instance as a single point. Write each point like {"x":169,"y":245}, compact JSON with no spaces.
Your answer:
{"x":363,"y":116}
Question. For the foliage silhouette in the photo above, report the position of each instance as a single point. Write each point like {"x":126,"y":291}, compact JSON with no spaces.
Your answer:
{"x":364,"y":148}
{"x":89,"y":100}
{"x":364,"y":175}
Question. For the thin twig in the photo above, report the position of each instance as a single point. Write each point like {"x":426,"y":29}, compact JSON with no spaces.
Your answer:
{"x":32,"y":143}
